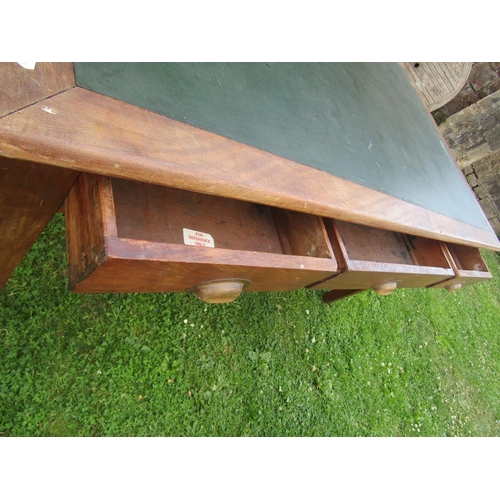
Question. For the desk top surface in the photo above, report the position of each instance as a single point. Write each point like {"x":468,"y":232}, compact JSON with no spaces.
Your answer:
{"x":359,"y":121}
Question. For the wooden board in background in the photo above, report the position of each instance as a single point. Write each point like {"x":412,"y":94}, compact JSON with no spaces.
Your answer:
{"x":20,"y":87}
{"x":437,"y":82}
{"x":30,"y":195}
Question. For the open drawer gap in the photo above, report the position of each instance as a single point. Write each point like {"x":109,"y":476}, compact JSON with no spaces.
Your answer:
{"x":369,"y":258}
{"x":468,"y":267}
{"x":126,"y":236}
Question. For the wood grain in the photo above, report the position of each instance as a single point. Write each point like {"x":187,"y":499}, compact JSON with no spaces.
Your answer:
{"x":181,"y":268}
{"x":85,"y":131}
{"x":365,"y":276}
{"x":30,"y":194}
{"x":467,"y":264}
{"x":370,"y":244}
{"x":437,"y":82}
{"x":89,"y":221}
{"x":102,"y":260}
{"x":372,"y":257}
{"x":20,"y":87}
{"x":302,"y":234}
{"x":157,"y":213}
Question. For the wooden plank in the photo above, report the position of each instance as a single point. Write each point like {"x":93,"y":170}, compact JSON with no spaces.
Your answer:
{"x":85,"y":131}
{"x":182,"y":268}
{"x":362,"y":276}
{"x":369,"y":244}
{"x":420,"y":86}
{"x":450,"y":69}
{"x":302,"y":234}
{"x":89,"y":215}
{"x":157,"y":213}
{"x":20,"y":87}
{"x":438,"y":77}
{"x":467,"y":264}
{"x":425,"y":252}
{"x":373,"y":257}
{"x":103,"y":257}
{"x":438,"y":82}
{"x":30,"y":194}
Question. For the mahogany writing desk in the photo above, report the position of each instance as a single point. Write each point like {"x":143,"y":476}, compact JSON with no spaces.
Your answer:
{"x":219,"y":177}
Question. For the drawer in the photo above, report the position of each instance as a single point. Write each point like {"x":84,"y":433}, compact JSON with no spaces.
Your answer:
{"x":125,"y":236}
{"x":468,"y":267}
{"x":382,"y":260}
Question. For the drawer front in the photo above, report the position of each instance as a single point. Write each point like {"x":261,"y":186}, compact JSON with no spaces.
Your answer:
{"x":126,"y":236}
{"x":369,"y":277}
{"x":468,"y":267}
{"x":132,"y":275}
{"x":371,"y":258}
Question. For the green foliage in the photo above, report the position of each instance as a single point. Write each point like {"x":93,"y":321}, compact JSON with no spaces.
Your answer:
{"x":416,"y":363}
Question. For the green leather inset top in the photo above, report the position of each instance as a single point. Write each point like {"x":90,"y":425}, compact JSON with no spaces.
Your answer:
{"x":360,"y":121}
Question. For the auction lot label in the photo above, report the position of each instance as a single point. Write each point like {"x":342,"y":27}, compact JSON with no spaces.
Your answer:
{"x":197,"y":239}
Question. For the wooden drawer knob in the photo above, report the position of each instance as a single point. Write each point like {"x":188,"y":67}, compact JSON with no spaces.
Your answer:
{"x":386,"y":288}
{"x":219,"y":291}
{"x":454,"y":288}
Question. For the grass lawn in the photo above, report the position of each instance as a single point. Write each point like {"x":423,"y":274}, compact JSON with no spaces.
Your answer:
{"x":416,"y":363}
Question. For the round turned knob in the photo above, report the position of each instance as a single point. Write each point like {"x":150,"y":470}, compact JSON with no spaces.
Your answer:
{"x":454,"y":287}
{"x":219,"y":291}
{"x":386,"y":288}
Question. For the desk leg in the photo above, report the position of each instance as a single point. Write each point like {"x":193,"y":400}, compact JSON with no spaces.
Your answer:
{"x":30,"y":195}
{"x":339,"y":294}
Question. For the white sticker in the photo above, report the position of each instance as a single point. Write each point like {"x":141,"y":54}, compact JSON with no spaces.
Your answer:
{"x":197,"y":239}
{"x":27,"y":65}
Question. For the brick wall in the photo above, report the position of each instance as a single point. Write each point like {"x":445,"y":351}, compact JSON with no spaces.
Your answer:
{"x":484,"y":79}
{"x":473,"y":135}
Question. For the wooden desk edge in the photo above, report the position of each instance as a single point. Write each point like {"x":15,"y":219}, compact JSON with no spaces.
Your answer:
{"x":81,"y":130}
{"x":22,"y":87}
